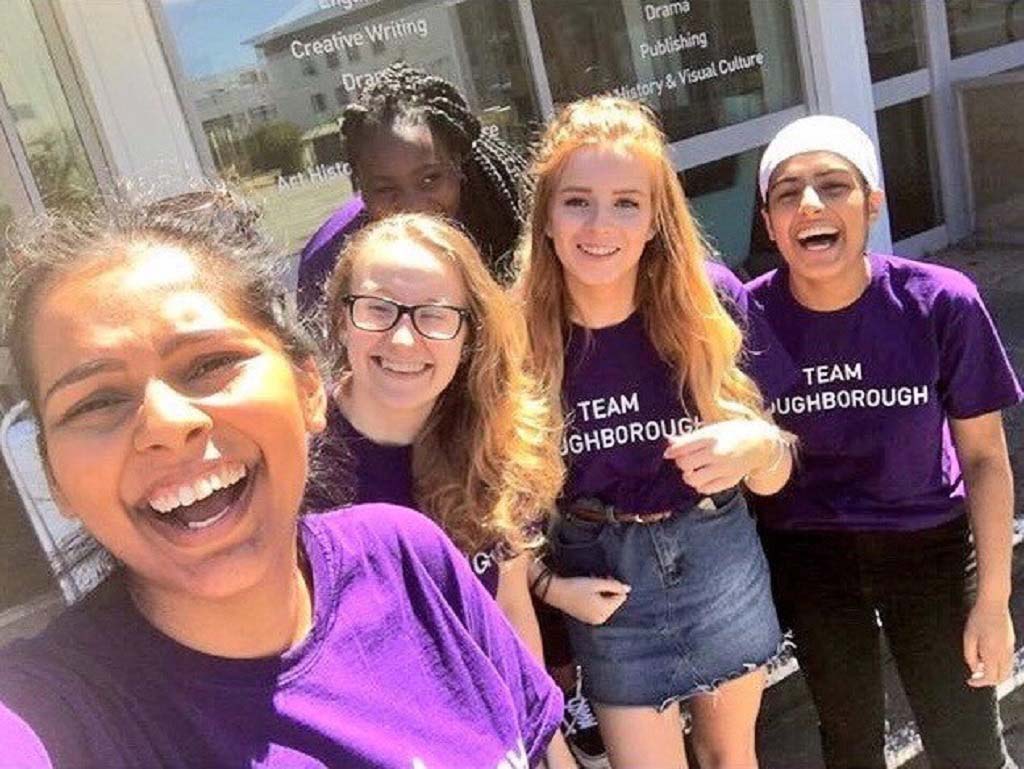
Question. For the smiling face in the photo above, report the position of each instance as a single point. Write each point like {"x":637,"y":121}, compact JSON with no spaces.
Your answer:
{"x":399,"y":371}
{"x":818,"y":213}
{"x":599,"y":219}
{"x":404,"y":168}
{"x":175,"y":429}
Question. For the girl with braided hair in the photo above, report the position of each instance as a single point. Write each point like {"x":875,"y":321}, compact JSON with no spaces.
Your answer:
{"x":414,"y":146}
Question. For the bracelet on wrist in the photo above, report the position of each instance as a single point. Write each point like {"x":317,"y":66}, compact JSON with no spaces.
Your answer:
{"x":543,"y":589}
{"x":544,"y":577}
{"x":782,"y":444}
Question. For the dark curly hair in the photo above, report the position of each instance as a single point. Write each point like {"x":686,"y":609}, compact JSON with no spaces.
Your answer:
{"x":215,"y":226}
{"x":491,"y":208}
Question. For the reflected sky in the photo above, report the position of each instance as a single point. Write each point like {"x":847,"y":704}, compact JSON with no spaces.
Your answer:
{"x":209,"y":33}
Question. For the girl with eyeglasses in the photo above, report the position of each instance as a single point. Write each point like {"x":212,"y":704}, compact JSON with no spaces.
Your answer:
{"x":432,"y":408}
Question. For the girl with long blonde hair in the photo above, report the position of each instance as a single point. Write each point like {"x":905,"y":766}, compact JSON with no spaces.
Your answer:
{"x":631,"y":331}
{"x":432,"y":406}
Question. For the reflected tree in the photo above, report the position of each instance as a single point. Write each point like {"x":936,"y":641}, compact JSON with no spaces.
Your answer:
{"x":62,"y":174}
{"x":276,"y":146}
{"x":6,"y":217}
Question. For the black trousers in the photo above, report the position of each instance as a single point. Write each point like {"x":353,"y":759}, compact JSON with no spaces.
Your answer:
{"x":832,"y":587}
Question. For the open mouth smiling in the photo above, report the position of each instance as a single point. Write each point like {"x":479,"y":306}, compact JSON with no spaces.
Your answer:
{"x":402,"y":368}
{"x":818,"y":238}
{"x":203,"y":501}
{"x":599,"y":251}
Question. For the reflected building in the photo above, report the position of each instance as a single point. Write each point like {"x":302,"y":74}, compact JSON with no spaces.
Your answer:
{"x":230,"y":105}
{"x":317,"y":60}
{"x":322,"y":54}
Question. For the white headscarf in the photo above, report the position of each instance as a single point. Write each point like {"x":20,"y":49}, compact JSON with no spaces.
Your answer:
{"x":821,"y":133}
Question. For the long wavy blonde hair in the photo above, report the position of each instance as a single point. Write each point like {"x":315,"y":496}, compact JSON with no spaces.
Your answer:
{"x":486,"y":463}
{"x":683,"y":317}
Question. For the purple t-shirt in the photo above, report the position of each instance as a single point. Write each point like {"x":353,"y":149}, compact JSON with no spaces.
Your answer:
{"x":320,"y":254}
{"x":409,"y":665}
{"x":764,"y":359}
{"x":377,"y":473}
{"x":623,"y":403}
{"x":878,"y":381}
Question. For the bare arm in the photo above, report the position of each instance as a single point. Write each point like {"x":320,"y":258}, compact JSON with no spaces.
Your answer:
{"x":775,"y":464}
{"x":514,"y":599}
{"x":718,"y":456}
{"x":589,"y":599}
{"x":988,"y":634}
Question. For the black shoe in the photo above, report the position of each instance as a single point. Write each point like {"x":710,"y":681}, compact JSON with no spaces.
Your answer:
{"x":579,"y":725}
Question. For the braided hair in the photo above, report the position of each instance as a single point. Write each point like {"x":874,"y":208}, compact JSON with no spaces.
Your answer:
{"x":491,"y":208}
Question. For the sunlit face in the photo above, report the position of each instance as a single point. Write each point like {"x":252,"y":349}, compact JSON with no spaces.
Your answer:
{"x":600,"y":217}
{"x":818,"y":213}
{"x":400,"y":369}
{"x":403,"y":168}
{"x":175,"y":429}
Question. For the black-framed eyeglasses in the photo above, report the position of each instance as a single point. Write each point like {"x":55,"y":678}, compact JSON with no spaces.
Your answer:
{"x":433,"y":321}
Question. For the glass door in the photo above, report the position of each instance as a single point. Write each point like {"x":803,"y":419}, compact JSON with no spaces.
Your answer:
{"x":38,"y":113}
{"x":44,"y":165}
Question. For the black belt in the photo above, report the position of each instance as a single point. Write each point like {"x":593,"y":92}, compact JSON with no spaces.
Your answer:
{"x":593,"y":510}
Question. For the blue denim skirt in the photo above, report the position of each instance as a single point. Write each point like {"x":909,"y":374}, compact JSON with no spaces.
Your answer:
{"x":700,"y":611}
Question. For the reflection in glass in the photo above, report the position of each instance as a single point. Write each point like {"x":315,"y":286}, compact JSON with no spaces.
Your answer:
{"x":6,"y":217}
{"x":270,"y":80}
{"x":702,"y":64}
{"x":993,"y":115}
{"x":42,"y":118}
{"x":894,"y":44}
{"x":723,"y":196}
{"x":975,"y":25}
{"x":910,"y":178}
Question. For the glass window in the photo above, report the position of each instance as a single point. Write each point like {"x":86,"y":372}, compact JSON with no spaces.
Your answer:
{"x":723,"y":196}
{"x":6,"y":217}
{"x":975,"y":25}
{"x":895,"y":45}
{"x":993,"y":115}
{"x":702,"y":64}
{"x":293,"y":163}
{"x":262,"y":114}
{"x":42,"y":118}
{"x":908,"y":164}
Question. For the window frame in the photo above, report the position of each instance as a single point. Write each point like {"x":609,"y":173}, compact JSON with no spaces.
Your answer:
{"x":15,"y":170}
